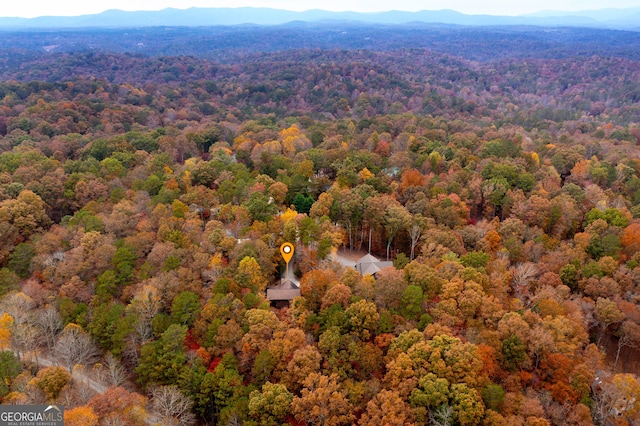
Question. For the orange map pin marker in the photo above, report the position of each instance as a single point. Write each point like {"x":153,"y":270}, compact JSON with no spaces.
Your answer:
{"x":286,"y":250}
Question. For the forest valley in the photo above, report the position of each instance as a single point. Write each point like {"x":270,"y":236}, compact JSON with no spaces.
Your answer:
{"x":144,"y":200}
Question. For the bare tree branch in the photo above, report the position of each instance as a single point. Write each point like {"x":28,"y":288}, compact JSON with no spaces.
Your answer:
{"x":74,"y":346}
{"x":173,"y":407}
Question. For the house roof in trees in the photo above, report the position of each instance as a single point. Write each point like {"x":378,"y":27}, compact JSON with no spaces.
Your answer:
{"x":369,"y":265}
{"x":287,"y":290}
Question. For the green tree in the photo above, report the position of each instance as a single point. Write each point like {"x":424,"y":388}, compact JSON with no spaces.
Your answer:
{"x":493,"y":396}
{"x":20,"y":260}
{"x":431,"y":392}
{"x":308,"y":231}
{"x":161,"y":362}
{"x":475,"y":259}
{"x":191,"y":382}
{"x":9,"y":369}
{"x":494,"y":192}
{"x":613,"y":217}
{"x":260,"y":207}
{"x":72,"y":312}
{"x":185,"y":308}
{"x":263,"y":366}
{"x":270,"y":405}
{"x":514,"y":353}
{"x":568,"y":275}
{"x":124,"y":263}
{"x":411,"y":303}
{"x":302,"y":203}
{"x":8,"y":281}
{"x":226,"y":386}
{"x":88,"y":220}
{"x":105,"y":320}
{"x":107,"y":286}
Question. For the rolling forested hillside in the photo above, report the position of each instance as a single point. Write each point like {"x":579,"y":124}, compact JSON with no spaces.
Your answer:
{"x":148,"y":178}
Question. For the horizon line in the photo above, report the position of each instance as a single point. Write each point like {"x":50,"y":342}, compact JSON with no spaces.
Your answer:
{"x":316,"y":10}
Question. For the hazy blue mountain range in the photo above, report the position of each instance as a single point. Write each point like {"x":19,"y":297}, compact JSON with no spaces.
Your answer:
{"x":606,"y":18}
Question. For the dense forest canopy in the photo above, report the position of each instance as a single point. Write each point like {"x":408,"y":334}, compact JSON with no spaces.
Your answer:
{"x":230,"y":44}
{"x":144,"y":196}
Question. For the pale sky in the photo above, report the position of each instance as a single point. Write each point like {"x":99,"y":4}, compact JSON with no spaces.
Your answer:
{"x":33,"y":8}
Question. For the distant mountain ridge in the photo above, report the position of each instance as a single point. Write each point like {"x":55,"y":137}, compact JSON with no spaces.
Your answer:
{"x":200,"y":17}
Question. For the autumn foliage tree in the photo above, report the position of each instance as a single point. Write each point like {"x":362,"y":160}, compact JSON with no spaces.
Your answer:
{"x":322,"y":402}
{"x":119,"y":405}
{"x":143,"y":200}
{"x":80,"y":416}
